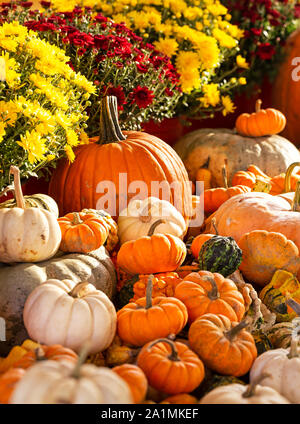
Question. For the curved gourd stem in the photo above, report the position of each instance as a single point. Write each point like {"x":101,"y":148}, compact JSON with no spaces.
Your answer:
{"x":214,"y":224}
{"x":252,"y":386}
{"x":14,"y":170}
{"x":287,"y":180}
{"x":149,"y":290}
{"x":258,"y":105}
{"x":213,"y":294}
{"x":174,"y":352}
{"x":154,"y":225}
{"x":110,"y":131}
{"x":231,"y":334}
{"x":296,"y":200}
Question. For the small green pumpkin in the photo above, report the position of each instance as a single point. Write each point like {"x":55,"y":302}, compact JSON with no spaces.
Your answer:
{"x":220,"y":254}
{"x":41,"y":201}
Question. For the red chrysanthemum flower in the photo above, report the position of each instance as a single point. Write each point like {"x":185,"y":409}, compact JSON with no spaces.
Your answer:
{"x":142,"y":96}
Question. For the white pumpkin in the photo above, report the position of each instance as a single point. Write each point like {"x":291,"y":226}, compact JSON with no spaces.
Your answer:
{"x":240,"y":394}
{"x":136,"y":220}
{"x":70,"y":314}
{"x":283,"y":369}
{"x":27,"y":234}
{"x":52,"y":382}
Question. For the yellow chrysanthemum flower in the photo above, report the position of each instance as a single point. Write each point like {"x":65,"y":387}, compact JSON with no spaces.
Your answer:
{"x":188,"y":60}
{"x":34,"y":145}
{"x":242,"y":81}
{"x":228,"y":105}
{"x":69,"y":152}
{"x":189,"y":79}
{"x":167,"y":46}
{"x":241,"y":62}
{"x":211,"y":95}
{"x":208,"y":52}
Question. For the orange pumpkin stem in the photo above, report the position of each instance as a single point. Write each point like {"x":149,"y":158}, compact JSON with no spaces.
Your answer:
{"x":213,"y":294}
{"x":154,"y":225}
{"x":296,"y":200}
{"x":110,"y":131}
{"x":40,"y":354}
{"x":145,"y":215}
{"x":258,"y":105}
{"x":231,"y":334}
{"x":224,"y":174}
{"x":76,"y":219}
{"x":214,"y":224}
{"x":252,"y":386}
{"x":14,"y":170}
{"x":287,"y":180}
{"x":79,"y":290}
{"x":149,"y":292}
{"x":174,"y":353}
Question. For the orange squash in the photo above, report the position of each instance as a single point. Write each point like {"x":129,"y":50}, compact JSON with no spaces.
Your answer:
{"x":224,"y":346}
{"x":82,"y":232}
{"x":249,"y":178}
{"x":181,"y":399}
{"x":171,"y":367}
{"x":205,"y":292}
{"x":147,"y":319}
{"x":8,"y":381}
{"x":53,"y":353}
{"x":136,"y":156}
{"x":261,"y":123}
{"x":264,"y":252}
{"x":136,"y":380}
{"x":152,"y":254}
{"x":164,"y":284}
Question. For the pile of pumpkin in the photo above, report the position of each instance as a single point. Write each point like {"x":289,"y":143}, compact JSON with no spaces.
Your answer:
{"x":139,"y":311}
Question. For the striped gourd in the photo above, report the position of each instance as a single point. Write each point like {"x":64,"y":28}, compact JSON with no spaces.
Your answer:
{"x":220,"y":254}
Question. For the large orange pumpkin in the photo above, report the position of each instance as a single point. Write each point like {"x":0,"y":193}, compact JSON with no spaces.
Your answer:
{"x":140,"y":157}
{"x":286,"y":89}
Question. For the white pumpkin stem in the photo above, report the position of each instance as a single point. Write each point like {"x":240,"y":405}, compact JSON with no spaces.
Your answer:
{"x":149,"y":291}
{"x":213,"y":294}
{"x":234,"y":331}
{"x":145,"y":215}
{"x":81,"y":359}
{"x":80,"y":290}
{"x":252,"y":386}
{"x":258,"y":105}
{"x":154,"y":225}
{"x":288,"y":174}
{"x":14,"y":170}
{"x":174,"y":352}
{"x":76,"y":219}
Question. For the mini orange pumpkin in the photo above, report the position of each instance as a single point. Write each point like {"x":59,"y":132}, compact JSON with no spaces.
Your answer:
{"x":215,"y":197}
{"x":203,"y":292}
{"x":171,"y":367}
{"x":163,"y":285}
{"x":181,"y":399}
{"x":152,"y":254}
{"x":261,"y":123}
{"x":147,"y":319}
{"x":249,"y":178}
{"x":199,"y":241}
{"x":53,"y":353}
{"x":82,"y":232}
{"x":8,"y":381}
{"x":264,"y":252}
{"x":136,"y":380}
{"x":224,"y":346}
